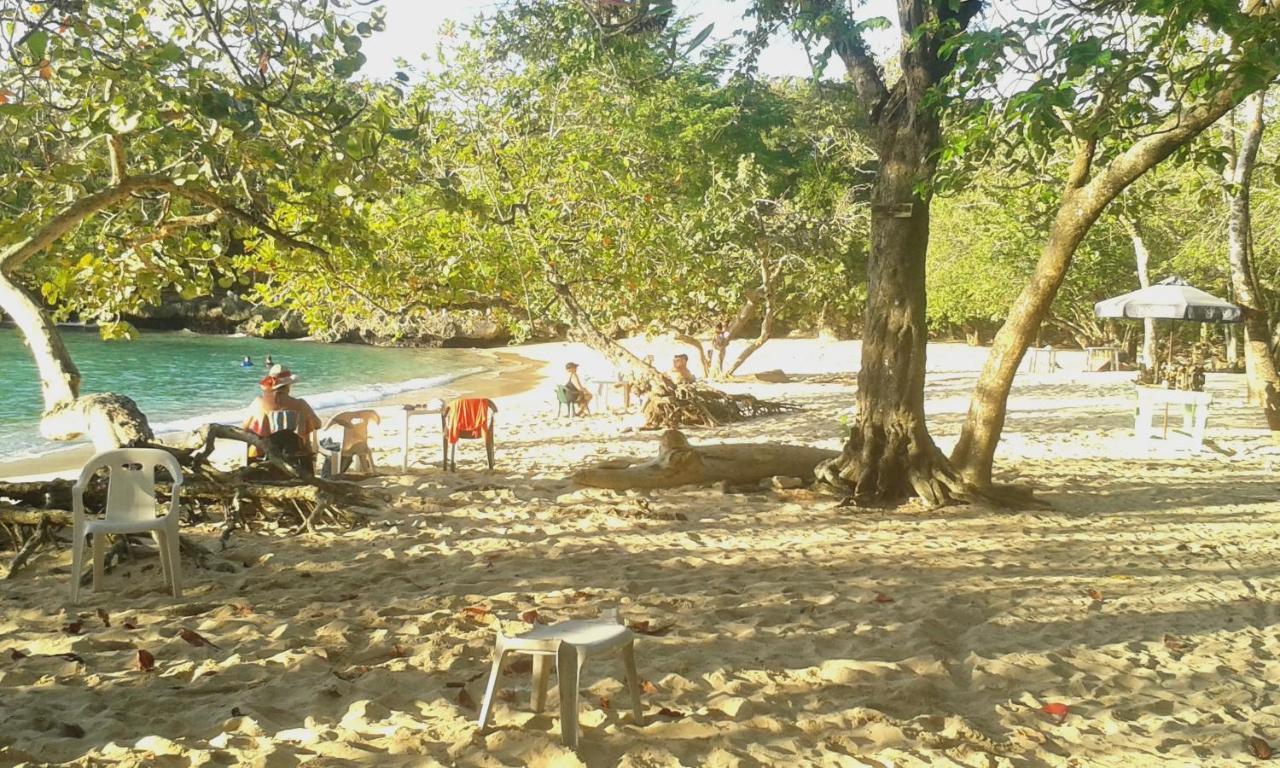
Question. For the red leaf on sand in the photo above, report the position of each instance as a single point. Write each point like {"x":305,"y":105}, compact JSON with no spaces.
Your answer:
{"x":476,"y":612}
{"x":194,"y":638}
{"x":106,"y":618}
{"x":1056,"y":711}
{"x":604,"y":702}
{"x":669,"y":712}
{"x":1259,"y":748}
{"x":648,"y":688}
{"x":1094,"y":595}
{"x":644,"y":627}
{"x":16,"y":654}
{"x":146,"y":662}
{"x":529,"y":617}
{"x":883,"y":598}
{"x":74,"y":628}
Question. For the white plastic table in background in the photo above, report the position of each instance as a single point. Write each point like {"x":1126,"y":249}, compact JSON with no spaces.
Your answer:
{"x":1042,"y":357}
{"x":1195,"y":411}
{"x":409,"y":412}
{"x":603,"y":387}
{"x":1108,"y":353}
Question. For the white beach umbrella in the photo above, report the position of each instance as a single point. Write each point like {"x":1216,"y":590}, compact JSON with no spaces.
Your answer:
{"x":1170,"y":299}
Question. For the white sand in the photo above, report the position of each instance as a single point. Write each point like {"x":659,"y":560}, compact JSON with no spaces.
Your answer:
{"x":353,"y":648}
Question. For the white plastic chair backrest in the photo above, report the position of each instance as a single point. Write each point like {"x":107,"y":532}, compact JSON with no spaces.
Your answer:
{"x":131,"y":482}
{"x":355,"y":426}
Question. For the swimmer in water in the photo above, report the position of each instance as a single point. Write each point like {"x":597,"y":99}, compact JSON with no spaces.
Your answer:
{"x":247,"y":362}
{"x":268,"y":362}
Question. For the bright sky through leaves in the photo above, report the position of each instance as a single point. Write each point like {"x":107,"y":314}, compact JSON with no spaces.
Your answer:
{"x":413,"y":28}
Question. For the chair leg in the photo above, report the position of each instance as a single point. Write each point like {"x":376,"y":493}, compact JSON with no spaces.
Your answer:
{"x":174,"y":543}
{"x":568,"y":665}
{"x":490,"y":690}
{"x":162,"y":546}
{"x":633,"y":681}
{"x":99,"y":560}
{"x":488,"y":447}
{"x":77,"y":565}
{"x":541,"y":672}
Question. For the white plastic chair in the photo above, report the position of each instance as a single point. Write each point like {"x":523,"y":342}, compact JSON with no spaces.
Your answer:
{"x":131,"y":508}
{"x":570,"y":642}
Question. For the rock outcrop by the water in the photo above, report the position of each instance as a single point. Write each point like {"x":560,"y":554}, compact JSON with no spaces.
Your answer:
{"x":231,"y":313}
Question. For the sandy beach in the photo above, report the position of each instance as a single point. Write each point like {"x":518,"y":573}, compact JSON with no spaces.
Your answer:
{"x":779,"y":627}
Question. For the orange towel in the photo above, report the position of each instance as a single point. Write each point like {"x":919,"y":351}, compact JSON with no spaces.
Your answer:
{"x":468,"y":417}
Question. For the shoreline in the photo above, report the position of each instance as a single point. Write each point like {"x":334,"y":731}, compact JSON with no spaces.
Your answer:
{"x":511,"y":374}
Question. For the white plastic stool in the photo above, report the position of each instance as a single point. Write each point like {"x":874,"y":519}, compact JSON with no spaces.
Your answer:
{"x":570,"y":642}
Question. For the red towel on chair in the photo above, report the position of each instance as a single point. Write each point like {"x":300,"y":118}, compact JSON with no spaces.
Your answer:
{"x":468,"y":417}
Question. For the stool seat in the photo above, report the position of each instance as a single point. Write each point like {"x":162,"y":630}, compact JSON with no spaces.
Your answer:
{"x":570,"y":642}
{"x":591,"y":635}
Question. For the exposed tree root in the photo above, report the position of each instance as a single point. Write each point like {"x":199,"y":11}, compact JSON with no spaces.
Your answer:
{"x":670,"y":407}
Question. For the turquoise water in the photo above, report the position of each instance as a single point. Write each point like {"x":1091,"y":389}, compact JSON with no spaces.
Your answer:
{"x":182,"y":380}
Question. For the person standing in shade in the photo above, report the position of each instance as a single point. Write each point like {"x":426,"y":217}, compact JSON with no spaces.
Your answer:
{"x":680,"y":370}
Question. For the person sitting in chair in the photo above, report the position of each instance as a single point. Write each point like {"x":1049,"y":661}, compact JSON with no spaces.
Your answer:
{"x":276,"y":410}
{"x":579,"y":393}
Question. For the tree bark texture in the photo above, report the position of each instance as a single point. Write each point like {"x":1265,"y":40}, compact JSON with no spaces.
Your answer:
{"x":1084,"y":197}
{"x":1259,"y":365}
{"x":890,"y":455}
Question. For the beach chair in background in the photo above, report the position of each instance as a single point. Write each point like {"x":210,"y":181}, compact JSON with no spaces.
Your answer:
{"x":355,"y":440}
{"x":467,"y":418}
{"x":569,"y":643}
{"x":131,"y":507}
{"x":566,"y":400}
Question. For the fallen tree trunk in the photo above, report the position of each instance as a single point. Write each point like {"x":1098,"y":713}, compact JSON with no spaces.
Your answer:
{"x":679,"y":463}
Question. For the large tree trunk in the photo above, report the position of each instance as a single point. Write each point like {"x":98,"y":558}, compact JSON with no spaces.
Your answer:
{"x":1259,"y":365}
{"x":1083,"y":201}
{"x":1143,"y":258}
{"x":890,"y":455}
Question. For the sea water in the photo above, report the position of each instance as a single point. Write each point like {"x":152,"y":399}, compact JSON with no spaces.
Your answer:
{"x":182,"y":380}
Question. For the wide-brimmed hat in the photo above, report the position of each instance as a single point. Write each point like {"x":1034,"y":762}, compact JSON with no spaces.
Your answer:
{"x":278,"y":378}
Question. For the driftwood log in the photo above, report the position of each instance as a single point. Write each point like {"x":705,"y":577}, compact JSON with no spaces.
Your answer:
{"x":695,"y":405}
{"x":679,"y":463}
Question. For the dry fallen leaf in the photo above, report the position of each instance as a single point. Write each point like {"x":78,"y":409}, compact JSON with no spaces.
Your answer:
{"x":529,"y":617}
{"x":1259,"y":748}
{"x":16,"y":654}
{"x":604,"y":702}
{"x":476,"y":612}
{"x":146,"y":662}
{"x":1175,"y":644}
{"x":399,"y":651}
{"x":74,"y":628}
{"x":1056,"y":711}
{"x":194,"y":638}
{"x":644,"y":627}
{"x":521,"y":665}
{"x":1094,"y":595}
{"x":580,"y":596}
{"x":464,"y":698}
{"x":669,"y":712}
{"x":648,"y":688}
{"x":105,"y":617}
{"x":883,"y":598}
{"x":129,"y":625}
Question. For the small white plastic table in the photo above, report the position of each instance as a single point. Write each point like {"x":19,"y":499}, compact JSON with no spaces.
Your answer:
{"x":603,"y":388}
{"x":570,"y":642}
{"x":1195,"y":411}
{"x":409,"y":412}
{"x":1107,"y":354}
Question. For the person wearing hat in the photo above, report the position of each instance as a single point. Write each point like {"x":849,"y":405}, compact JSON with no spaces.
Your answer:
{"x":276,"y":409}
{"x":581,"y":396}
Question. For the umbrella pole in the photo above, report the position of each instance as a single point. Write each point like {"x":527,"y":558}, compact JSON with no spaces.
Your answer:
{"x":1168,"y":373}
